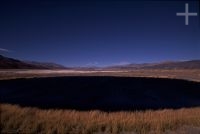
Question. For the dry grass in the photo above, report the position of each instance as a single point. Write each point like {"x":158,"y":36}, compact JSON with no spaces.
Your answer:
{"x":32,"y":120}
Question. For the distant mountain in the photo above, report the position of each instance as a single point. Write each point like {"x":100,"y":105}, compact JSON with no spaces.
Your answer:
{"x":192,"y":64}
{"x":10,"y":63}
{"x":47,"y":65}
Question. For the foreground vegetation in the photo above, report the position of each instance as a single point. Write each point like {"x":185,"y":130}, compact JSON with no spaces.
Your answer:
{"x":15,"y":119}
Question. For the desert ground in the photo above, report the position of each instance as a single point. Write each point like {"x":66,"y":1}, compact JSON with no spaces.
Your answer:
{"x":186,"y":74}
{"x":100,"y":101}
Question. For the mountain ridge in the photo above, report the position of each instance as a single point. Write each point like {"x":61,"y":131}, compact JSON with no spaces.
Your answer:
{"x":11,"y":63}
{"x":189,"y":64}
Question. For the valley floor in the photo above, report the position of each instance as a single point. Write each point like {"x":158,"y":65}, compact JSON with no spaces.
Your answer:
{"x":186,"y":74}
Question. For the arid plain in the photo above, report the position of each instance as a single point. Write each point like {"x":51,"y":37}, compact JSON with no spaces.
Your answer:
{"x":31,"y":118}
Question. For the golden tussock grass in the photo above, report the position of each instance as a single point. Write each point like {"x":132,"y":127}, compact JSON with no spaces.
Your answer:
{"x":34,"y":120}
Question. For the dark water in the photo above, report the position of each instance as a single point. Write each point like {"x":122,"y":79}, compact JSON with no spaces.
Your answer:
{"x":102,"y":93}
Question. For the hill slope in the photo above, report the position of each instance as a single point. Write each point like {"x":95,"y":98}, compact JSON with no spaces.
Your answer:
{"x":10,"y":63}
{"x":192,"y":64}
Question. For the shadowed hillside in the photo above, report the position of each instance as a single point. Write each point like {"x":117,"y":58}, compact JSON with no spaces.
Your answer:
{"x":102,"y":93}
{"x":10,"y":63}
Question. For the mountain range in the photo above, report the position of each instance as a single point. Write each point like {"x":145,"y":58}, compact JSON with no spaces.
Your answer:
{"x":11,"y":63}
{"x":190,"y":64}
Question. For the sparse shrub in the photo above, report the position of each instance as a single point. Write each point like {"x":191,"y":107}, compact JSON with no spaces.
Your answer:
{"x":33,"y":120}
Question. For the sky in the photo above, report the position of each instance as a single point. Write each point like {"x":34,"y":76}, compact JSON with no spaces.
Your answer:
{"x":99,"y":32}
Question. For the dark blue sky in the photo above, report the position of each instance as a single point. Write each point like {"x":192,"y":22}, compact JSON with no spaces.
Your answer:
{"x":98,"y":33}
